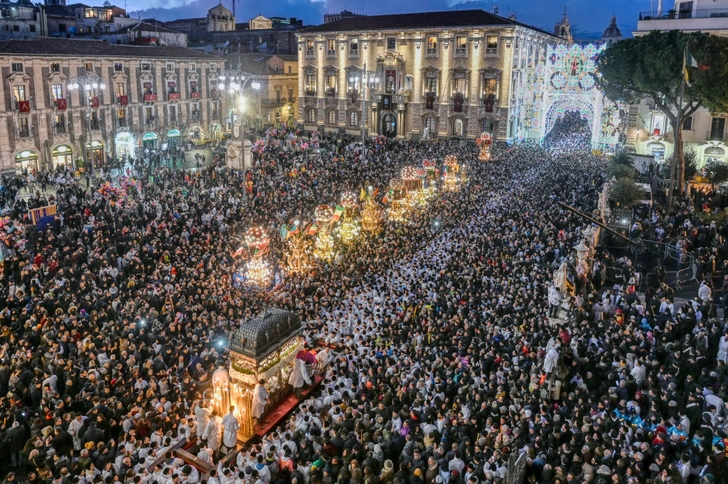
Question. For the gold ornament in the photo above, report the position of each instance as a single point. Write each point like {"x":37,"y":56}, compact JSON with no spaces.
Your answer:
{"x":323,"y":248}
{"x":298,"y":255}
{"x":371,"y":216}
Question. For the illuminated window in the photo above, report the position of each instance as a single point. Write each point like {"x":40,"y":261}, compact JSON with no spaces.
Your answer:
{"x":354,"y":48}
{"x":432,"y":45}
{"x":491,"y":45}
{"x":461,"y":45}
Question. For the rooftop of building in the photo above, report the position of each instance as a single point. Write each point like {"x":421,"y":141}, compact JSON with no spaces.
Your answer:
{"x":424,"y":20}
{"x":95,"y":48}
{"x":612,"y":31}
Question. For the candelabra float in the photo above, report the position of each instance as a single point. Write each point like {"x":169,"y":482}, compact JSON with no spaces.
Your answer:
{"x":323,"y":247}
{"x":298,"y":253}
{"x":349,"y":227}
{"x":485,"y":141}
{"x":371,"y":216}
{"x":420,"y":197}
{"x":452,"y":169}
{"x":397,"y":194}
{"x":429,"y":166}
{"x":258,"y":271}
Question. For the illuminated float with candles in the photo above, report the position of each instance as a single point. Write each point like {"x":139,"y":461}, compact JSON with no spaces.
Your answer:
{"x":451,"y":176}
{"x":262,"y":349}
{"x":398,"y":199}
{"x":485,"y":141}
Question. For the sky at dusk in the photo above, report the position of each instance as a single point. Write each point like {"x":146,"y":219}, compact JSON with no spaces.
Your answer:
{"x":588,"y":18}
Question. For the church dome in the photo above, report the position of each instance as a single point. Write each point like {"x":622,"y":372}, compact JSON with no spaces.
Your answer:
{"x":612,"y":31}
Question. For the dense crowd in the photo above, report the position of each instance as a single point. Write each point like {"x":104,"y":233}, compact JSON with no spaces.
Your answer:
{"x":444,"y":364}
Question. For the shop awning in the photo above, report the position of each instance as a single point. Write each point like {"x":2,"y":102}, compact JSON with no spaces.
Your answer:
{"x":173,"y":132}
{"x":149,"y":136}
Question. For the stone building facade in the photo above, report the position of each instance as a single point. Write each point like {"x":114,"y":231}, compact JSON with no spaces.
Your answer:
{"x":151,"y":97}
{"x":424,"y":75}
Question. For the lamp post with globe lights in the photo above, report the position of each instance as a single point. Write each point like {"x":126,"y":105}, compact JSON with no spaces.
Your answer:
{"x":368,"y":80}
{"x":233,"y":82}
{"x":88,"y":86}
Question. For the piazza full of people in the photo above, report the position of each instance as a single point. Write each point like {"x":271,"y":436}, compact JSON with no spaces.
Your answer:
{"x":442,"y":355}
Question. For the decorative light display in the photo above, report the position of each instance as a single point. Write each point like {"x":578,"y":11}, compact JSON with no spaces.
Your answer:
{"x":371,"y":215}
{"x":349,"y":200}
{"x":410,"y":178}
{"x":298,"y":255}
{"x":348,"y":230}
{"x":450,"y":178}
{"x":429,"y":166}
{"x":398,"y":207}
{"x":485,"y":140}
{"x":257,"y":270}
{"x":323,"y":247}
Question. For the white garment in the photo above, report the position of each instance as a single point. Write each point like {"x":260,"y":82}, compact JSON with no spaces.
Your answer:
{"x":213,"y":433}
{"x":260,"y":400}
{"x":723,"y":349}
{"x":203,"y":418}
{"x":230,"y":433}
{"x":552,"y":358}
{"x":299,"y":374}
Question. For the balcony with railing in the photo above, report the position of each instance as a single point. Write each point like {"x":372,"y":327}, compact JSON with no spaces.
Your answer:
{"x":173,"y":95}
{"x":273,"y":102}
{"x":150,"y":97}
{"x":95,"y":124}
{"x":195,"y":95}
{"x":24,"y":133}
{"x":59,"y":128}
{"x":689,"y":19}
{"x":150,"y":121}
{"x":22,"y":106}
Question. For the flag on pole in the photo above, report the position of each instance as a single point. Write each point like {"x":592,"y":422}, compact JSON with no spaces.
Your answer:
{"x":284,"y":232}
{"x":362,"y":195}
{"x":296,"y":230}
{"x":337,"y":214}
{"x":312,"y":229}
{"x":385,"y":198}
{"x":690,"y":61}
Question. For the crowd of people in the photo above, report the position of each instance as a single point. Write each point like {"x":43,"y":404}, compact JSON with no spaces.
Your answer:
{"x":444,"y":361}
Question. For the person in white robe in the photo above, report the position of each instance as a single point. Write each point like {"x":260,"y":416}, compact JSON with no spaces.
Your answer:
{"x":299,"y":376}
{"x":260,"y":399}
{"x":723,"y":349}
{"x":213,"y":432}
{"x":230,"y":433}
{"x":202,"y":414}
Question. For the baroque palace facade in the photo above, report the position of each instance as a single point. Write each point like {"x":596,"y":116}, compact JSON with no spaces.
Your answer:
{"x":82,"y":102}
{"x":423,"y":75}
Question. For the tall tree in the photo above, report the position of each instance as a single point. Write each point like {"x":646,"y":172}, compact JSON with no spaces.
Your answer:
{"x":651,"y":68}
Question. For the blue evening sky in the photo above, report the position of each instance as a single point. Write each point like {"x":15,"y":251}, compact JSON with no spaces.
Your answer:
{"x":589,"y":18}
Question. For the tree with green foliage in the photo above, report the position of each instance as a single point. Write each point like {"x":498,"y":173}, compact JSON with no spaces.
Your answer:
{"x":625,"y":192}
{"x":716,"y":172}
{"x":621,"y":165}
{"x":651,"y":68}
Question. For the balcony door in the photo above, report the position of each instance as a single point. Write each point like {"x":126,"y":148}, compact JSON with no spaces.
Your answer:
{"x":717,"y":129}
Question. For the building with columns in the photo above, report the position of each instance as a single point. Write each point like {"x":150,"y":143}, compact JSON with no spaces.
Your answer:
{"x":422,"y":75}
{"x":140,"y":97}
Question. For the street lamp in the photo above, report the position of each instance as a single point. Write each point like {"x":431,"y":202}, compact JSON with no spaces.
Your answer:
{"x":369,"y":80}
{"x":88,"y":84}
{"x":234,"y":82}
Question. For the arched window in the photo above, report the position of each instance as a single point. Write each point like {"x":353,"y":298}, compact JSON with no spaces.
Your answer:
{"x":457,"y":127}
{"x":311,"y":115}
{"x":354,"y":119}
{"x":488,"y":126}
{"x":331,"y":119}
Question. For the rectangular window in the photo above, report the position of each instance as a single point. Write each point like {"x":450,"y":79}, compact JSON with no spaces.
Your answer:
{"x":170,"y":67}
{"x":278,"y":95}
{"x":55,"y":67}
{"x":310,"y":48}
{"x":688,"y":124}
{"x":461,"y":45}
{"x":32,"y":28}
{"x":460,"y":86}
{"x":354,"y":48}
{"x":23,"y":128}
{"x":354,"y":82}
{"x":17,"y":67}
{"x":432,"y":45}
{"x":290,"y":94}
{"x":491,"y":45}
{"x":310,"y":84}
{"x":146,"y":66}
{"x":431,"y":85}
{"x":354,"y":119}
{"x":57,"y":91}
{"x":59,"y":122}
{"x":685,"y":10}
{"x":391,"y":43}
{"x":16,"y":28}
{"x":330,"y":48}
{"x":331,"y":82}
{"x":88,"y":66}
{"x":89,"y":13}
{"x":717,"y":129}
{"x":119,"y":89}
{"x":490,"y":88}
{"x":19,"y":93}
{"x":118,"y":67}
